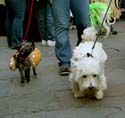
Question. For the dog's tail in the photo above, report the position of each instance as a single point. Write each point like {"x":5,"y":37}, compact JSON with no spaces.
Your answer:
{"x":117,"y":4}
{"x":89,"y":34}
{"x":112,"y":21}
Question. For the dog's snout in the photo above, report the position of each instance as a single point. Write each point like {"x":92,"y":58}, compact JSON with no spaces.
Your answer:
{"x":91,"y":87}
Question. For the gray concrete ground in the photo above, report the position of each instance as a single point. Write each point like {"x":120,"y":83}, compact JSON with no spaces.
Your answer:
{"x":49,"y":95}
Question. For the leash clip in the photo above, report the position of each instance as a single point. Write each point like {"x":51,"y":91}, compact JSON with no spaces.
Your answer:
{"x":89,"y":55}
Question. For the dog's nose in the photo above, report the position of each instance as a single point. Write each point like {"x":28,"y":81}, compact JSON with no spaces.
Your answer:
{"x":91,"y":87}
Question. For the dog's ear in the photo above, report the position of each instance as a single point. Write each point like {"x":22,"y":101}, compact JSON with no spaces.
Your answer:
{"x":77,"y":74}
{"x":76,"y":71}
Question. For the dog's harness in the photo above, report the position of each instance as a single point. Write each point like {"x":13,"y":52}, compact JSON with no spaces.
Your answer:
{"x":24,"y":59}
{"x":90,"y":54}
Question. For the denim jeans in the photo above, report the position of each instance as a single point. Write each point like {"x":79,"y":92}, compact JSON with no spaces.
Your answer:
{"x":14,"y":24}
{"x":46,"y":22}
{"x":61,"y":8}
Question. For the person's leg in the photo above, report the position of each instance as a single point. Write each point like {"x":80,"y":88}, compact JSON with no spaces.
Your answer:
{"x":50,"y":29}
{"x":80,"y":10}
{"x":61,"y":22}
{"x":17,"y":27}
{"x":9,"y":21}
{"x":42,"y":17}
{"x":50,"y":23}
{"x":18,"y":11}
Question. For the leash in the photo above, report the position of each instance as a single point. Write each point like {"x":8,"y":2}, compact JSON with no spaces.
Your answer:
{"x":29,"y":20}
{"x":88,"y":54}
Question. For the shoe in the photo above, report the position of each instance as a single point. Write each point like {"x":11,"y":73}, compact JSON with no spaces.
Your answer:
{"x":63,"y":71}
{"x":44,"y":42}
{"x":50,"y":43}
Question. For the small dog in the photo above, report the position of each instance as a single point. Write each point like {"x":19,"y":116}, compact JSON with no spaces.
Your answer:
{"x":98,"y":15}
{"x":98,"y":10}
{"x":87,"y":75}
{"x":26,"y":58}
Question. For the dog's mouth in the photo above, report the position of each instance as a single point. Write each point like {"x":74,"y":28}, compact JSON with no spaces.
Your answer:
{"x":89,"y":92}
{"x":89,"y":89}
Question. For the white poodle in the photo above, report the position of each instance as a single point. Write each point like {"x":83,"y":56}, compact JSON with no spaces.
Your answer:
{"x":87,"y":67}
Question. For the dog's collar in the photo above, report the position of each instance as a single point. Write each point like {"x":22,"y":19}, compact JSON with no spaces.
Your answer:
{"x":24,"y":58}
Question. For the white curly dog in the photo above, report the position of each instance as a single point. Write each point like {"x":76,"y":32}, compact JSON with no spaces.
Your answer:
{"x":87,"y":67}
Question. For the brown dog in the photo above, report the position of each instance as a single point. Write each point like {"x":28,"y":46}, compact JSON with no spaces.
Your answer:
{"x":26,"y":58}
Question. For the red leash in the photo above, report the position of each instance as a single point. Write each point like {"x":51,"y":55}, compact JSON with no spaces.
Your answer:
{"x":29,"y":20}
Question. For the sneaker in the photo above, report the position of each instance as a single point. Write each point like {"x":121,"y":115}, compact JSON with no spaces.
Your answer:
{"x":63,"y":71}
{"x":44,"y":42}
{"x":50,"y":43}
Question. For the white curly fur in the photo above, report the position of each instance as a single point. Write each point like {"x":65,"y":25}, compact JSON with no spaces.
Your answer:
{"x":87,"y":73}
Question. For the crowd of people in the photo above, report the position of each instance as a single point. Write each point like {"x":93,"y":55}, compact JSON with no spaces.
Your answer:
{"x":54,"y":21}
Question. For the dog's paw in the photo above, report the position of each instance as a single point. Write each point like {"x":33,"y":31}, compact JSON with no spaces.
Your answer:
{"x":78,"y":95}
{"x":99,"y":95}
{"x":114,"y":32}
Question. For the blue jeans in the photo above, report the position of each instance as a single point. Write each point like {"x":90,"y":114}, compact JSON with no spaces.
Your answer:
{"x":61,"y":8}
{"x":46,"y":22}
{"x":14,"y":24}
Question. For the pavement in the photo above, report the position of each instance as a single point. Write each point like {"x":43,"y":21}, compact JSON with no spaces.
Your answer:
{"x":49,"y":95}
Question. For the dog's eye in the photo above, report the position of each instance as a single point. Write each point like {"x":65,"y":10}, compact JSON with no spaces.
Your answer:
{"x":94,"y":75}
{"x":84,"y":76}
